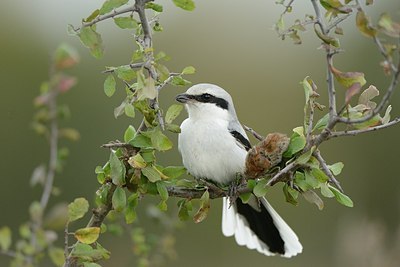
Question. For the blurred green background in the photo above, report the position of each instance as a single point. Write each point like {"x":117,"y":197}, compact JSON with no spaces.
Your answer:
{"x":232,"y":44}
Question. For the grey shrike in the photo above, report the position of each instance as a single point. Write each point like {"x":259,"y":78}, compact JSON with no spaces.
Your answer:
{"x":214,"y":145}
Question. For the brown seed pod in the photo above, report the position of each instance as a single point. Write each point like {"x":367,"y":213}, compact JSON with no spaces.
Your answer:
{"x":265,"y":155}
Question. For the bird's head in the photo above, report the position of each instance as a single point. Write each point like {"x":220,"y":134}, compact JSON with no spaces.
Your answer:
{"x":208,"y":101}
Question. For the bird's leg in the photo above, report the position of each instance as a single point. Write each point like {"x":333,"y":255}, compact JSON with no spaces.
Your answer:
{"x":233,"y":188}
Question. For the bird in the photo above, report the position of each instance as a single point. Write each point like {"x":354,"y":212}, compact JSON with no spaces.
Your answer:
{"x":213,"y":146}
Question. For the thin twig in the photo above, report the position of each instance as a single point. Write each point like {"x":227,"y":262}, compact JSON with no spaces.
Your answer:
{"x":48,"y":186}
{"x":181,"y":192}
{"x":132,"y":66}
{"x":277,"y":177}
{"x":110,"y":15}
{"x":254,"y":133}
{"x":66,"y":251}
{"x":371,"y":129}
{"x":319,"y":16}
{"x":337,"y":22}
{"x":326,"y":170}
{"x":117,"y":144}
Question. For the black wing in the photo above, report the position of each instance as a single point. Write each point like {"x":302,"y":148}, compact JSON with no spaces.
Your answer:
{"x":241,"y":139}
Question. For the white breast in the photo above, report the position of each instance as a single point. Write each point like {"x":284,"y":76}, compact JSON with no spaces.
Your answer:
{"x":209,"y":151}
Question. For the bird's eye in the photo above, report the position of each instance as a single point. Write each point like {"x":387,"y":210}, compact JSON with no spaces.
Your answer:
{"x":206,"y":97}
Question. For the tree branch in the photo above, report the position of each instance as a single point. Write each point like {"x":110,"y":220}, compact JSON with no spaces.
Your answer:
{"x":326,"y":170}
{"x":371,"y":129}
{"x":110,"y":15}
{"x":188,"y":193}
{"x":282,"y":173}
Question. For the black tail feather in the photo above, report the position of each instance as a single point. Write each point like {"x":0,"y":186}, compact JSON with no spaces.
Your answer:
{"x":263,"y":226}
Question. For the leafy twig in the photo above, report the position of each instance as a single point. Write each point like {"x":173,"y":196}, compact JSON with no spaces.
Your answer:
{"x":326,"y":170}
{"x":110,"y":15}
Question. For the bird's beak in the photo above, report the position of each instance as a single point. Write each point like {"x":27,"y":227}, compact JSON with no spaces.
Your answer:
{"x":183,"y":98}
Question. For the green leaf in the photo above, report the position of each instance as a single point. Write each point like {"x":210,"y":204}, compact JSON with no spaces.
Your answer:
{"x":376,"y":120}
{"x":188,"y":70}
{"x":341,"y":198}
{"x":109,"y":85}
{"x":87,"y":235}
{"x":86,"y":252}
{"x":119,"y":199}
{"x":336,"y":168}
{"x":110,"y":5}
{"x":280,"y":24}
{"x":172,"y":113}
{"x":322,"y":123}
{"x":141,"y":141}
{"x":363,"y":25}
{"x":179,"y":81}
{"x":202,"y":213}
{"x":173,"y":128}
{"x":304,"y":158}
{"x":92,"y":16}
{"x":261,"y":188}
{"x":77,"y":209}
{"x":118,"y":111}
{"x":185,"y":206}
{"x":386,"y":117}
{"x":389,"y":27}
{"x":137,"y":162}
{"x":91,"y":264}
{"x":325,"y":191}
{"x":5,"y":238}
{"x":160,"y":141}
{"x":313,"y":198}
{"x":92,"y":40}
{"x":129,"y":133}
{"x":185,"y":4}
{"x":155,"y":7}
{"x":348,"y":79}
{"x":126,"y":22}
{"x":320,"y":175}
{"x":291,"y":195}
{"x":300,"y":181}
{"x":129,"y":110}
{"x":148,"y":155}
{"x":57,"y":256}
{"x":327,"y":39}
{"x":151,"y":174}
{"x":297,"y":143}
{"x":118,"y":170}
{"x":162,"y":71}
{"x":308,"y":91}
{"x":174,"y":172}
{"x":148,"y":89}
{"x":245,"y":197}
{"x":130,"y":212}
{"x":310,"y":179}
{"x":162,"y":205}
{"x":69,"y":134}
{"x":125,"y":73}
{"x":162,"y":190}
